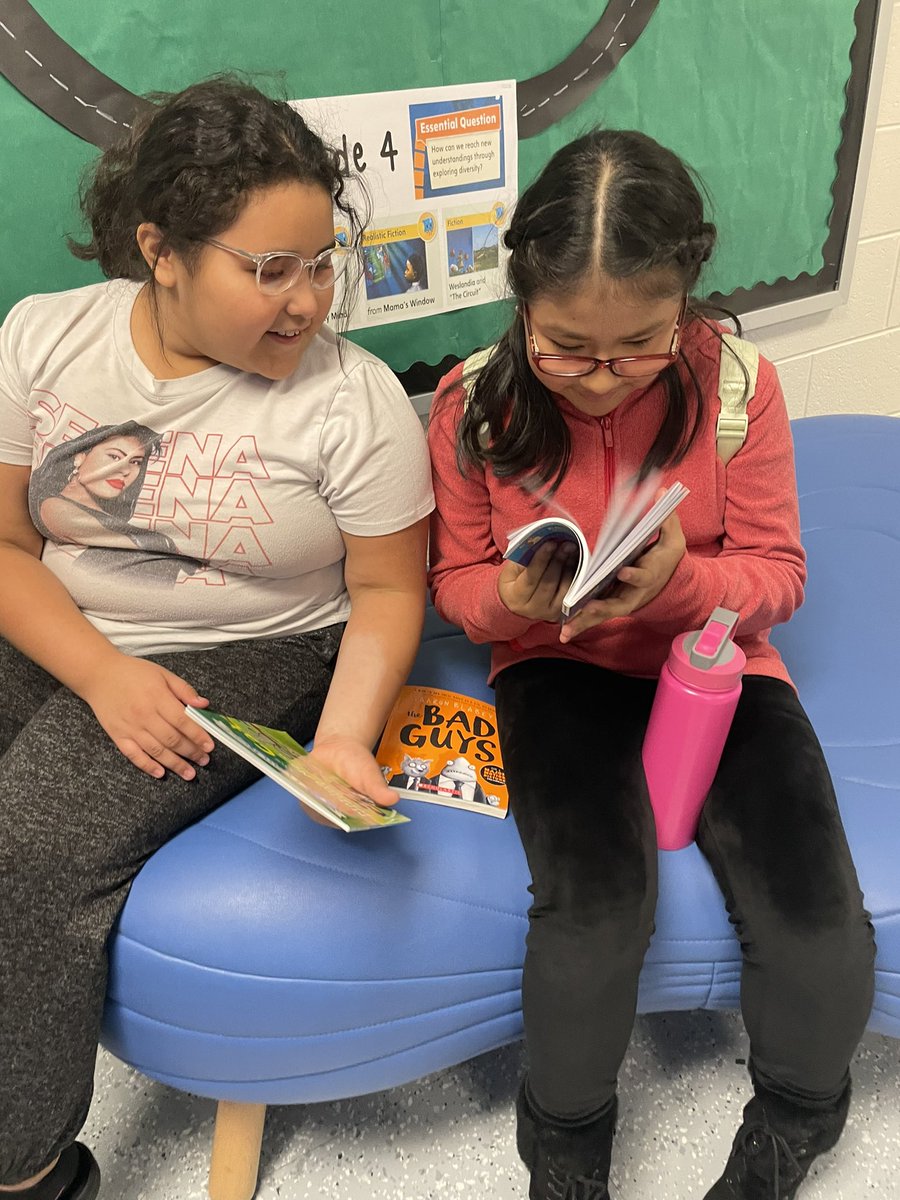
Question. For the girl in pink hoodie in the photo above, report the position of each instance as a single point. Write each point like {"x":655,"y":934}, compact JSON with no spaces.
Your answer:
{"x":610,"y":367}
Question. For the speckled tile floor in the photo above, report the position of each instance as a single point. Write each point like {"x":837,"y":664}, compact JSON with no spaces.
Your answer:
{"x":452,"y":1134}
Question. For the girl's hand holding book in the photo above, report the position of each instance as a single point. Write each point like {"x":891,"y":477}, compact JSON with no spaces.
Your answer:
{"x":636,"y":585}
{"x":537,"y":590}
{"x":355,"y":764}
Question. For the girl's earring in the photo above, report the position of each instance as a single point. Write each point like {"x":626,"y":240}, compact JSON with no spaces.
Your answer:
{"x":73,"y":475}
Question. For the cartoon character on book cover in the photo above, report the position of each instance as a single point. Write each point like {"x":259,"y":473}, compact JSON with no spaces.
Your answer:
{"x":457,"y":780}
{"x":411,"y":774}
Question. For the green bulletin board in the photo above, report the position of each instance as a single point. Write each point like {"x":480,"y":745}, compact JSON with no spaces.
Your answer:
{"x":764,"y":98}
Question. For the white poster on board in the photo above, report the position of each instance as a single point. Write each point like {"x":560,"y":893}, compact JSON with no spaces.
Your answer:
{"x":440,"y":166}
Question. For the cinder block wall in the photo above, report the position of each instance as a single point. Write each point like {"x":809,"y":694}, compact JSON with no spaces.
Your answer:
{"x":848,"y":360}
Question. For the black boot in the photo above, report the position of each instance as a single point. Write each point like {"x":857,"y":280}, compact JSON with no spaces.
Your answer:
{"x":567,"y":1162}
{"x":775,"y":1146}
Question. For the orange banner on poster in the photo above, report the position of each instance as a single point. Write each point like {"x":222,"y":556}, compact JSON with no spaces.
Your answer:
{"x":452,"y":124}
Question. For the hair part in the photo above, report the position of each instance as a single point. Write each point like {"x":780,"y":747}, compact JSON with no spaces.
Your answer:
{"x":614,"y":206}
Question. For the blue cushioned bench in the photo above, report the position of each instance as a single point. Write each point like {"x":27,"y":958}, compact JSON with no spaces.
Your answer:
{"x":264,"y":959}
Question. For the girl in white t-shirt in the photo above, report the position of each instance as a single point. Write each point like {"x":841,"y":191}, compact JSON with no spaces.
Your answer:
{"x":205,"y":498}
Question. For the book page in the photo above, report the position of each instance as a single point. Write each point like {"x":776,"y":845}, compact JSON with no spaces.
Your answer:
{"x":602,"y":572}
{"x":632,"y":521}
{"x":629,"y":502}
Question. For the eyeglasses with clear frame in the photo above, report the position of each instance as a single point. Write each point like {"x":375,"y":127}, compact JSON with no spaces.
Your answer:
{"x":630,"y":366}
{"x":278,"y":270}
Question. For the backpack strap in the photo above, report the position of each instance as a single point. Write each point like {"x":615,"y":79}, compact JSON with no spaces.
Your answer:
{"x":735,"y":391}
{"x":471,"y":368}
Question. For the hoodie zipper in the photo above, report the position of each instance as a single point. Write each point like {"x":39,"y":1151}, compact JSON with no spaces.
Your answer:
{"x":609,"y":461}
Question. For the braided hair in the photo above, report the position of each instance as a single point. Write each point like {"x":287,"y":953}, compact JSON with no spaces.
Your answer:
{"x":614,"y":205}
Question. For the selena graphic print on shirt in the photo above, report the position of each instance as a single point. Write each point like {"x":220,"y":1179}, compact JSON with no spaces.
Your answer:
{"x":169,"y":504}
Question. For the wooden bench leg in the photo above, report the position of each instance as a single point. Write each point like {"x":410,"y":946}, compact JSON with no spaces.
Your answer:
{"x":234,"y":1166}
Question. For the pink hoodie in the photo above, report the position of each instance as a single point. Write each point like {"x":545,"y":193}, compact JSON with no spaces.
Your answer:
{"x":741,"y":525}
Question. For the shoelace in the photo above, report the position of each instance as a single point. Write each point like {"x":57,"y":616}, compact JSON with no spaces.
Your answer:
{"x":575,"y":1187}
{"x":757,"y":1139}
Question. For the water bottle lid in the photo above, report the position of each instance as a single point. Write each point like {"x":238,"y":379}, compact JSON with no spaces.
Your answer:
{"x":707,"y":657}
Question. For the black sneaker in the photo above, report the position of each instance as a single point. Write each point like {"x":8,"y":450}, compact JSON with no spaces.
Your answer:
{"x":556,"y":1186}
{"x":761,"y":1166}
{"x":775,"y":1146}
{"x":566,"y":1162}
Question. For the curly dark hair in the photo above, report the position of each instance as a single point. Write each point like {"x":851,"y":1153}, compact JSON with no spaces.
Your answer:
{"x":190,"y":164}
{"x":613,"y":204}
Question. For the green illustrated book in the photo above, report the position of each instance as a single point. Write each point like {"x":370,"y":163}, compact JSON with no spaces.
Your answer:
{"x":277,"y":755}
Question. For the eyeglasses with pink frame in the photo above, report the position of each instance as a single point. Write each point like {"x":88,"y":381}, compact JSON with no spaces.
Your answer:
{"x":630,"y":366}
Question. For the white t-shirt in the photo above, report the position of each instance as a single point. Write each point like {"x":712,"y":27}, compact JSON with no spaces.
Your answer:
{"x":187,"y":512}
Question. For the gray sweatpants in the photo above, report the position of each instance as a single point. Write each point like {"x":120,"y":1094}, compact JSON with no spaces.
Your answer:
{"x":77,"y":821}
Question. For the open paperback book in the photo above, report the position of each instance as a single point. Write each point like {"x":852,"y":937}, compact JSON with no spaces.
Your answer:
{"x":442,"y":747}
{"x":631,"y":524}
{"x":277,"y":755}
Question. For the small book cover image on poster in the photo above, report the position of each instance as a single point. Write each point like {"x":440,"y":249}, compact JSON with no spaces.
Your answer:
{"x":442,"y":747}
{"x":277,"y":755}
{"x":632,"y":522}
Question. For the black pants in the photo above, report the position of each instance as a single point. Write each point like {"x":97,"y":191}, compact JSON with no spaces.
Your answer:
{"x":571,"y":738}
{"x":77,"y":821}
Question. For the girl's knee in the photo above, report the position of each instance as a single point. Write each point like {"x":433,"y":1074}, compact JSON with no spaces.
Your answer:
{"x":836,"y":955}
{"x":598,"y":925}
{"x":581,"y":897}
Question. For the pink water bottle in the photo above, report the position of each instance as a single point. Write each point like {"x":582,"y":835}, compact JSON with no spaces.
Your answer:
{"x":697,"y":694}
